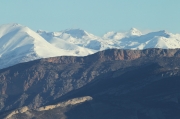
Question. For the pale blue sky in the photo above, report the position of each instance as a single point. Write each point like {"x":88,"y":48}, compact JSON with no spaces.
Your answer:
{"x":95,"y":16}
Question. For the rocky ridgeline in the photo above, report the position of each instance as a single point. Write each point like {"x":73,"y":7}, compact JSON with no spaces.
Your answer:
{"x":116,"y":54}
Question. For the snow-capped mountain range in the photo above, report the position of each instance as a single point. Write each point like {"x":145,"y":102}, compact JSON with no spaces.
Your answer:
{"x":19,"y":43}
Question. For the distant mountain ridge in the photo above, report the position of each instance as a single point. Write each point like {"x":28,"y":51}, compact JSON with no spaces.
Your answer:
{"x":19,"y":43}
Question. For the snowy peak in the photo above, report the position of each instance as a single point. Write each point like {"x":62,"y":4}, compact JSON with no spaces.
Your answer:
{"x":121,"y":35}
{"x":13,"y":36}
{"x":76,"y":33}
{"x":114,"y":35}
{"x":161,"y":33}
{"x":134,"y":32}
{"x":65,"y":34}
{"x":19,"y":43}
{"x":7,"y":28}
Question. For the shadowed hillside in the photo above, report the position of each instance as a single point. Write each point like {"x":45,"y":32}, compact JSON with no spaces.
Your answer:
{"x":129,"y":84}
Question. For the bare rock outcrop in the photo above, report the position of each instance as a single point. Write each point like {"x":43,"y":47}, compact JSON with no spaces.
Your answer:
{"x":26,"y":110}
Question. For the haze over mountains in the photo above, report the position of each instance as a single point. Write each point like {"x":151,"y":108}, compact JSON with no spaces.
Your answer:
{"x":19,"y":43}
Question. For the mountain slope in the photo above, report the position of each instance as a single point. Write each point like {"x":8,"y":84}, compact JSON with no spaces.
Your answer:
{"x":116,"y":83}
{"x":20,"y":44}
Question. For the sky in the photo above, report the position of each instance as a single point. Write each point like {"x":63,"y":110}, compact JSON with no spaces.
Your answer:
{"x":94,"y":16}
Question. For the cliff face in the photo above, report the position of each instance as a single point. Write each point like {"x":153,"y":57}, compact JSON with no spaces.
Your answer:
{"x":41,"y":82}
{"x":116,"y":54}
